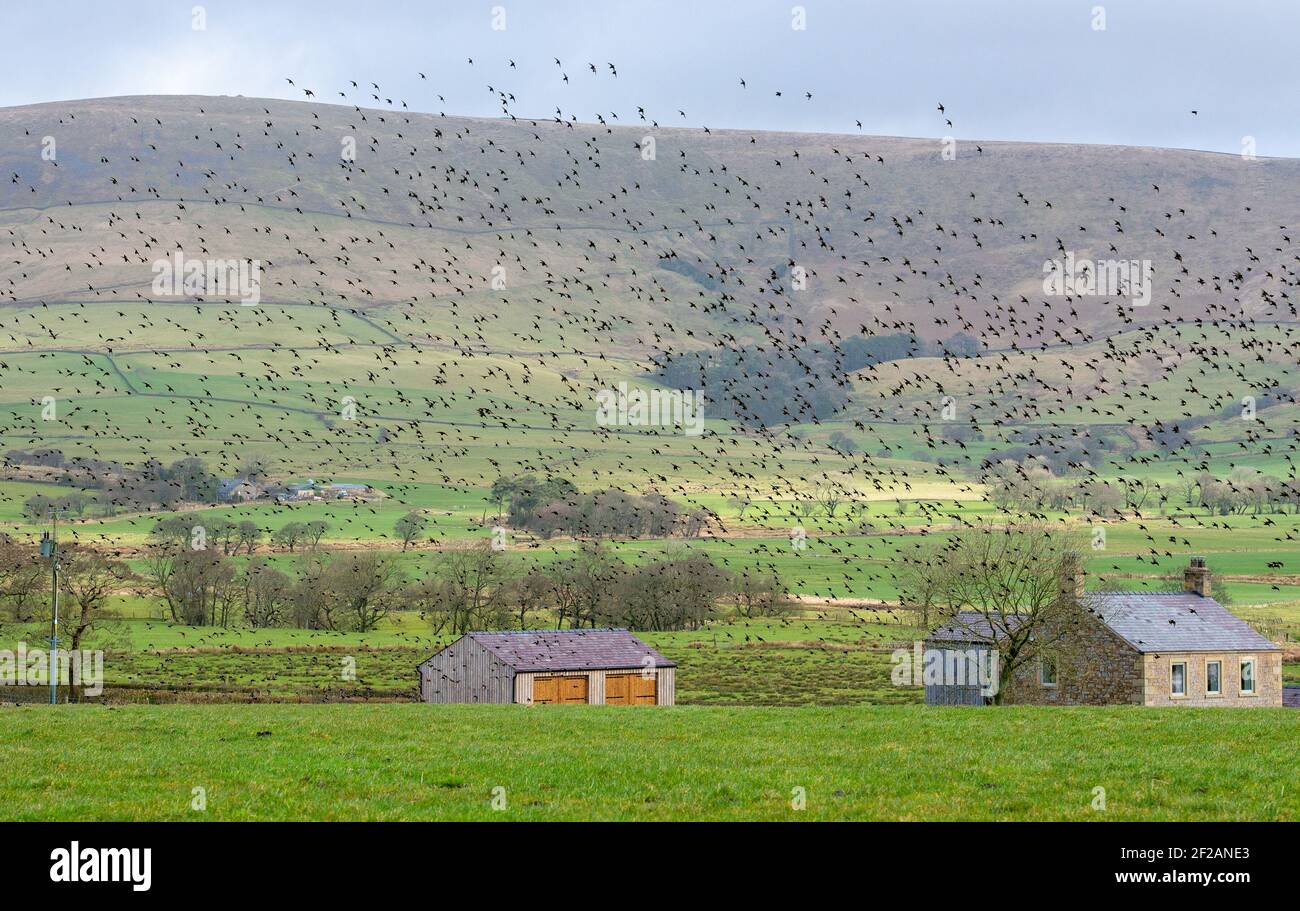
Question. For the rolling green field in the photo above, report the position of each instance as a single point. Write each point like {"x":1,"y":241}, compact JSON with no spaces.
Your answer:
{"x":420,"y":762}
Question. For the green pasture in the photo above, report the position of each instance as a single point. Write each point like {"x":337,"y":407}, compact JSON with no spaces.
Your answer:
{"x":390,"y":762}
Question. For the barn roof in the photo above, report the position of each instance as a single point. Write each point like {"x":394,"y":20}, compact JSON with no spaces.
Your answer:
{"x":568,"y":649}
{"x":969,"y":626}
{"x":1148,"y":621}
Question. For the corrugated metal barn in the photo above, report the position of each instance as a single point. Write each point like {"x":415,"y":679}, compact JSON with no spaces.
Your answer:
{"x":959,"y":648}
{"x":549,"y":667}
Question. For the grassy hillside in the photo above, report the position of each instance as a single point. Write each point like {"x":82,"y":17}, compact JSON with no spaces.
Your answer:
{"x":377,"y":290}
{"x":444,"y":762}
{"x":277,"y":167}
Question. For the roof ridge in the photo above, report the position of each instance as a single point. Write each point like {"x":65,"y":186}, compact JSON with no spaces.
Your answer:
{"x":534,"y":632}
{"x":1161,"y":591}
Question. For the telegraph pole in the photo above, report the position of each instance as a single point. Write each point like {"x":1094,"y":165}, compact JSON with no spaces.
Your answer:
{"x":50,"y":548}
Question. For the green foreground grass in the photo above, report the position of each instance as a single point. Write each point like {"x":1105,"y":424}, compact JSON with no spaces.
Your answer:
{"x":411,"y":762}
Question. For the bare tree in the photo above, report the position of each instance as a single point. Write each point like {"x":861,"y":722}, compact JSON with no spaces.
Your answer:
{"x":829,"y":497}
{"x":532,"y":592}
{"x":760,"y":595}
{"x":365,"y":587}
{"x":24,"y":579}
{"x":468,"y":590}
{"x":266,"y":593}
{"x":199,"y":586}
{"x":315,"y":531}
{"x":741,"y":502}
{"x":249,"y":535}
{"x":922,"y":585}
{"x":1017,"y":583}
{"x":587,"y":585}
{"x":88,"y":578}
{"x":409,"y":527}
{"x":288,"y":535}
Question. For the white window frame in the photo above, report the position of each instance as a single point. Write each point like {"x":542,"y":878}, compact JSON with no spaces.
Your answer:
{"x":1254,"y":675}
{"x":1174,"y":694}
{"x":1042,"y":666}
{"x":1209,"y":693}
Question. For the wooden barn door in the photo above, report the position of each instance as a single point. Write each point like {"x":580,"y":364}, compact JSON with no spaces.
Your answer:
{"x":573,"y":690}
{"x":629,"y":689}
{"x":546,"y":690}
{"x":617,"y":689}
{"x":560,"y":690}
{"x":643,"y":690}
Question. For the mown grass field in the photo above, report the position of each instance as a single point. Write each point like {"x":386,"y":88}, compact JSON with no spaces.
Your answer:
{"x":418,"y":762}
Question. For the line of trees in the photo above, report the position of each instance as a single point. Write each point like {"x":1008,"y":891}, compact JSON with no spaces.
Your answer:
{"x":476,"y":587}
{"x":554,"y":506}
{"x":111,"y":486}
{"x":1031,"y":486}
{"x":768,"y":386}
{"x":203,"y":530}
{"x":350,"y":591}
{"x":482,"y":588}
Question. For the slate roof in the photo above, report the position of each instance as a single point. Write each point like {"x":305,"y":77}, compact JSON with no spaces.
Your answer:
{"x":230,"y":487}
{"x":568,"y":649}
{"x":1177,"y":622}
{"x":969,"y":626}
{"x":1148,"y":621}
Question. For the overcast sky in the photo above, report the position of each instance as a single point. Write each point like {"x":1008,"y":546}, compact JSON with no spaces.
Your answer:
{"x":1005,"y":69}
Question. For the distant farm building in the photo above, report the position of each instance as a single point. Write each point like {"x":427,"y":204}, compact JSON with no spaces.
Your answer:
{"x":549,"y":667}
{"x":347,"y":491}
{"x":1140,"y":648}
{"x":312,"y":489}
{"x":304,"y":490}
{"x":237,"y":490}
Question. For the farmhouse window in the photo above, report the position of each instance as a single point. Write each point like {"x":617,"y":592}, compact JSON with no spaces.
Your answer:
{"x":1047,"y":670}
{"x":1178,"y":679}
{"x":1214,"y":678}
{"x":1248,"y":676}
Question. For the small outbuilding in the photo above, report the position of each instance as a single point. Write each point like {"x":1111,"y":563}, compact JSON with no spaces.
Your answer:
{"x":549,"y":667}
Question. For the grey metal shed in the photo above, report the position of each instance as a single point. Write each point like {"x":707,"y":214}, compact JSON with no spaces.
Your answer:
{"x":963,"y":644}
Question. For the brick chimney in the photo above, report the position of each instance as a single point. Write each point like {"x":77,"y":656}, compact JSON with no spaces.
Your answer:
{"x":1072,"y":576}
{"x":1196,"y":578}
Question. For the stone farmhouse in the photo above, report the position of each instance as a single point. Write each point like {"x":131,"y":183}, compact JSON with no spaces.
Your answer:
{"x":1139,"y":648}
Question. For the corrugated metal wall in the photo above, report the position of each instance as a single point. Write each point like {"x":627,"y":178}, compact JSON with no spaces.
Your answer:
{"x":466,"y":672}
{"x":958,"y":694}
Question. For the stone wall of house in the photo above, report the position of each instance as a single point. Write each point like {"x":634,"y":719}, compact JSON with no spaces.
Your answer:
{"x":1096,"y":667}
{"x":1268,"y":679}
